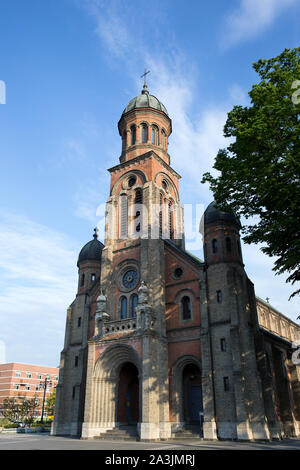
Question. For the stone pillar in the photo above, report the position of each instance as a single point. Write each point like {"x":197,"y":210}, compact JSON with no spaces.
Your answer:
{"x":155,"y":421}
{"x":209,"y":424}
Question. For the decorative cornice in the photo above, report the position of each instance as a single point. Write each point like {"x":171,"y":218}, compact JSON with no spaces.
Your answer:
{"x":144,"y":156}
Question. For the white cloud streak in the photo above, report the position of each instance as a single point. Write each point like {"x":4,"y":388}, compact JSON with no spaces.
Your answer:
{"x":251,"y":19}
{"x":38,"y":282}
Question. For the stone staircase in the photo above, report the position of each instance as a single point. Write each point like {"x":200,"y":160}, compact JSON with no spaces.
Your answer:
{"x":121,"y":433}
{"x":187,"y":433}
{"x":129,"y":433}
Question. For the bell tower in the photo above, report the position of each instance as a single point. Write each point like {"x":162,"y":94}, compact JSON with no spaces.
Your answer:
{"x":144,"y":192}
{"x":143,"y":210}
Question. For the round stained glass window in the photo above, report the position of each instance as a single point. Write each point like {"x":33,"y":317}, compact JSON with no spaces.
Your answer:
{"x":130,"y":279}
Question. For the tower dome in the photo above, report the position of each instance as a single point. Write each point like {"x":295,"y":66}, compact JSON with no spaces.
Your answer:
{"x":213,"y":214}
{"x":144,"y":126}
{"x":145,"y":100}
{"x":92,"y":251}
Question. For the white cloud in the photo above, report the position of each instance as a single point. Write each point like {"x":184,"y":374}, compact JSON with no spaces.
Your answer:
{"x":38,"y":282}
{"x":194,"y":142}
{"x":251,"y":19}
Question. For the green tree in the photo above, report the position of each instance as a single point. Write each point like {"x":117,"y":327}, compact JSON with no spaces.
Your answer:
{"x":50,"y":403}
{"x":11,"y":409}
{"x":20,"y":408}
{"x":260,"y":168}
{"x":27,"y":409}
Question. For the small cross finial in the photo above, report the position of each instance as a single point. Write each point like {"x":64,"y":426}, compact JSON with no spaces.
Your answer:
{"x":145,"y":84}
{"x":96,"y":232}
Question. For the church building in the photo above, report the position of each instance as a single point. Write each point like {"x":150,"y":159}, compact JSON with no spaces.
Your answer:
{"x":158,"y":343}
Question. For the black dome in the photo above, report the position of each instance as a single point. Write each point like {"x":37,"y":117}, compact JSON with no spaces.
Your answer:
{"x":91,"y":251}
{"x":214,"y":214}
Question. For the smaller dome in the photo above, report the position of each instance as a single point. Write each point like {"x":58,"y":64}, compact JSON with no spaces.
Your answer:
{"x":92,"y":250}
{"x":214,"y":214}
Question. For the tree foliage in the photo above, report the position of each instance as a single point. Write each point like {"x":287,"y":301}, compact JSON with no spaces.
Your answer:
{"x":260,"y":168}
{"x":50,"y":403}
{"x":20,"y":408}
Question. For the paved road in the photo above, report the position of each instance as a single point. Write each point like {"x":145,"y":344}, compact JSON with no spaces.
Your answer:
{"x":47,"y":442}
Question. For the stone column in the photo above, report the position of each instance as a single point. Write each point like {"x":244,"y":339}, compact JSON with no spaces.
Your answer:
{"x":209,"y":424}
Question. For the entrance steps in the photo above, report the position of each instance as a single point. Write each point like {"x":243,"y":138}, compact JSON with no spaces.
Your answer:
{"x":121,"y":433}
{"x":188,"y":432}
{"x":129,"y":433}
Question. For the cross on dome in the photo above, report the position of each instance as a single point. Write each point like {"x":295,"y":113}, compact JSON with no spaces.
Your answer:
{"x":145,"y":88}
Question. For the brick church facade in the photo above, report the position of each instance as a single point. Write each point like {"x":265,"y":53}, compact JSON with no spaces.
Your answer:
{"x":158,"y":339}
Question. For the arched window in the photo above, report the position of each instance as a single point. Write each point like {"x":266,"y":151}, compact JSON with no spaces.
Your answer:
{"x":138,"y":200}
{"x":228,"y":245}
{"x":170,"y":221}
{"x":133,"y":135}
{"x":219,"y":296}
{"x":144,"y":134}
{"x":214,"y":245}
{"x":123,"y":307}
{"x":82,"y":280}
{"x":186,"y":308}
{"x":138,"y":197}
{"x":160,"y":216}
{"x":133,"y":301}
{"x":163,"y":139}
{"x":154,"y":138}
{"x":123,"y":216}
{"x":124,"y":140}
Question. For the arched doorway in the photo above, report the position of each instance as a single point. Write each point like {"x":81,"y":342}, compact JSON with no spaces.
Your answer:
{"x":128,"y":395}
{"x":192,"y":394}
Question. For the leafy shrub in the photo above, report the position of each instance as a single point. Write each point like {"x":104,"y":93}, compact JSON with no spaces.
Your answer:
{"x":11,"y":426}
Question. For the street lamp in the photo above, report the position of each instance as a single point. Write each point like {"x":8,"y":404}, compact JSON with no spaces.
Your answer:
{"x":44,"y":385}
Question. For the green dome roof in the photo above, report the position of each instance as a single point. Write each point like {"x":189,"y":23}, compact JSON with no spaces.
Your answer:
{"x":144,"y":100}
{"x":91,"y":251}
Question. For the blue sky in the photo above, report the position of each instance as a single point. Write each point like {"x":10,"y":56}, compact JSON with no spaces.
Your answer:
{"x":70,"y":68}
